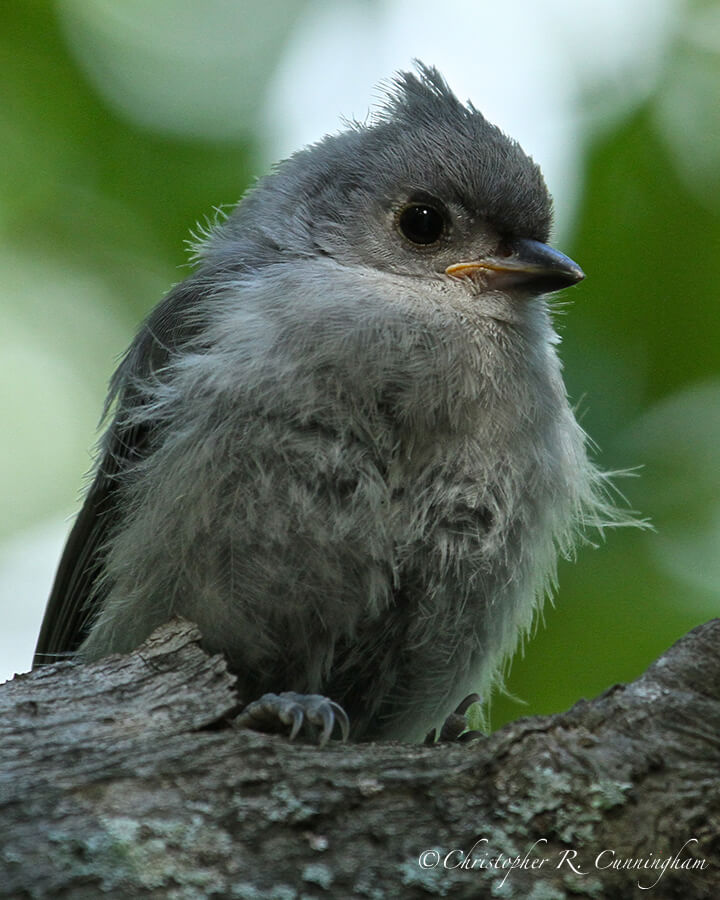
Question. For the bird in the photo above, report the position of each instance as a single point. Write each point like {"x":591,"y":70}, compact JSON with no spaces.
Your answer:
{"x":343,"y":446}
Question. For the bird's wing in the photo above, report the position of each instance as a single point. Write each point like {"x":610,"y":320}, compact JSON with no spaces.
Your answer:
{"x":76,"y":594}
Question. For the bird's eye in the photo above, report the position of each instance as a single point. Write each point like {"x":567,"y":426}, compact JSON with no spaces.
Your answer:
{"x":421,"y":223}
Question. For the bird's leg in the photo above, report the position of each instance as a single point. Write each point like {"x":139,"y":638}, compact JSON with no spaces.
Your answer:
{"x":313,"y":714}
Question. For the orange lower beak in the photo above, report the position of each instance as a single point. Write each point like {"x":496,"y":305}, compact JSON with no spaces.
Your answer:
{"x":529,"y":265}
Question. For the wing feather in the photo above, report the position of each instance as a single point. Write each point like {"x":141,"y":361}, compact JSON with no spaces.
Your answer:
{"x":76,"y":595}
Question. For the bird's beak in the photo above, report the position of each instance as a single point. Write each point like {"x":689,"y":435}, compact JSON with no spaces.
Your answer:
{"x":528,"y":266}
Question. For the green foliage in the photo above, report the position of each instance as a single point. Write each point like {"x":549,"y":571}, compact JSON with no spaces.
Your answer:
{"x":644,"y":325}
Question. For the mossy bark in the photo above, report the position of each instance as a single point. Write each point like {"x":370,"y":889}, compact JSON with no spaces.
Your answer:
{"x":126,"y":778}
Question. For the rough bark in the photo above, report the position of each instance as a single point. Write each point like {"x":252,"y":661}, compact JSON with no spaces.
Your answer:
{"x":126,"y":778}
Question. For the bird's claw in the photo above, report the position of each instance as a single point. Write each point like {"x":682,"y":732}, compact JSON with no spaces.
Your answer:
{"x":294,"y":711}
{"x":455,"y":726}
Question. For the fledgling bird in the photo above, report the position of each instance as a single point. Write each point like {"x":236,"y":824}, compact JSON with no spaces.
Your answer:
{"x":343,"y":445}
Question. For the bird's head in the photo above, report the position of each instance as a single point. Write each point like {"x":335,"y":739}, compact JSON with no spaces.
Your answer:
{"x":427,"y":188}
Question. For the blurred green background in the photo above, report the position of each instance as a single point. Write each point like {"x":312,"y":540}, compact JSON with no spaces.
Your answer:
{"x":112,"y":152}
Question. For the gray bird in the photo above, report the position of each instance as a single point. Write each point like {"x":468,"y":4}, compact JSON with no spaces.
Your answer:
{"x":343,"y":446}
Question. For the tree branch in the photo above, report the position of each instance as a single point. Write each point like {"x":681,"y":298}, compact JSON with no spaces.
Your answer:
{"x":127,"y":778}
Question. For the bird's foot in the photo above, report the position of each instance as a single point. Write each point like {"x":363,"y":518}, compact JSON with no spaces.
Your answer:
{"x":455,"y":727}
{"x":312,"y":713}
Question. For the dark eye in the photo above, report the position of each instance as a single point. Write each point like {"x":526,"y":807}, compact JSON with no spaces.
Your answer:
{"x":421,"y":223}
